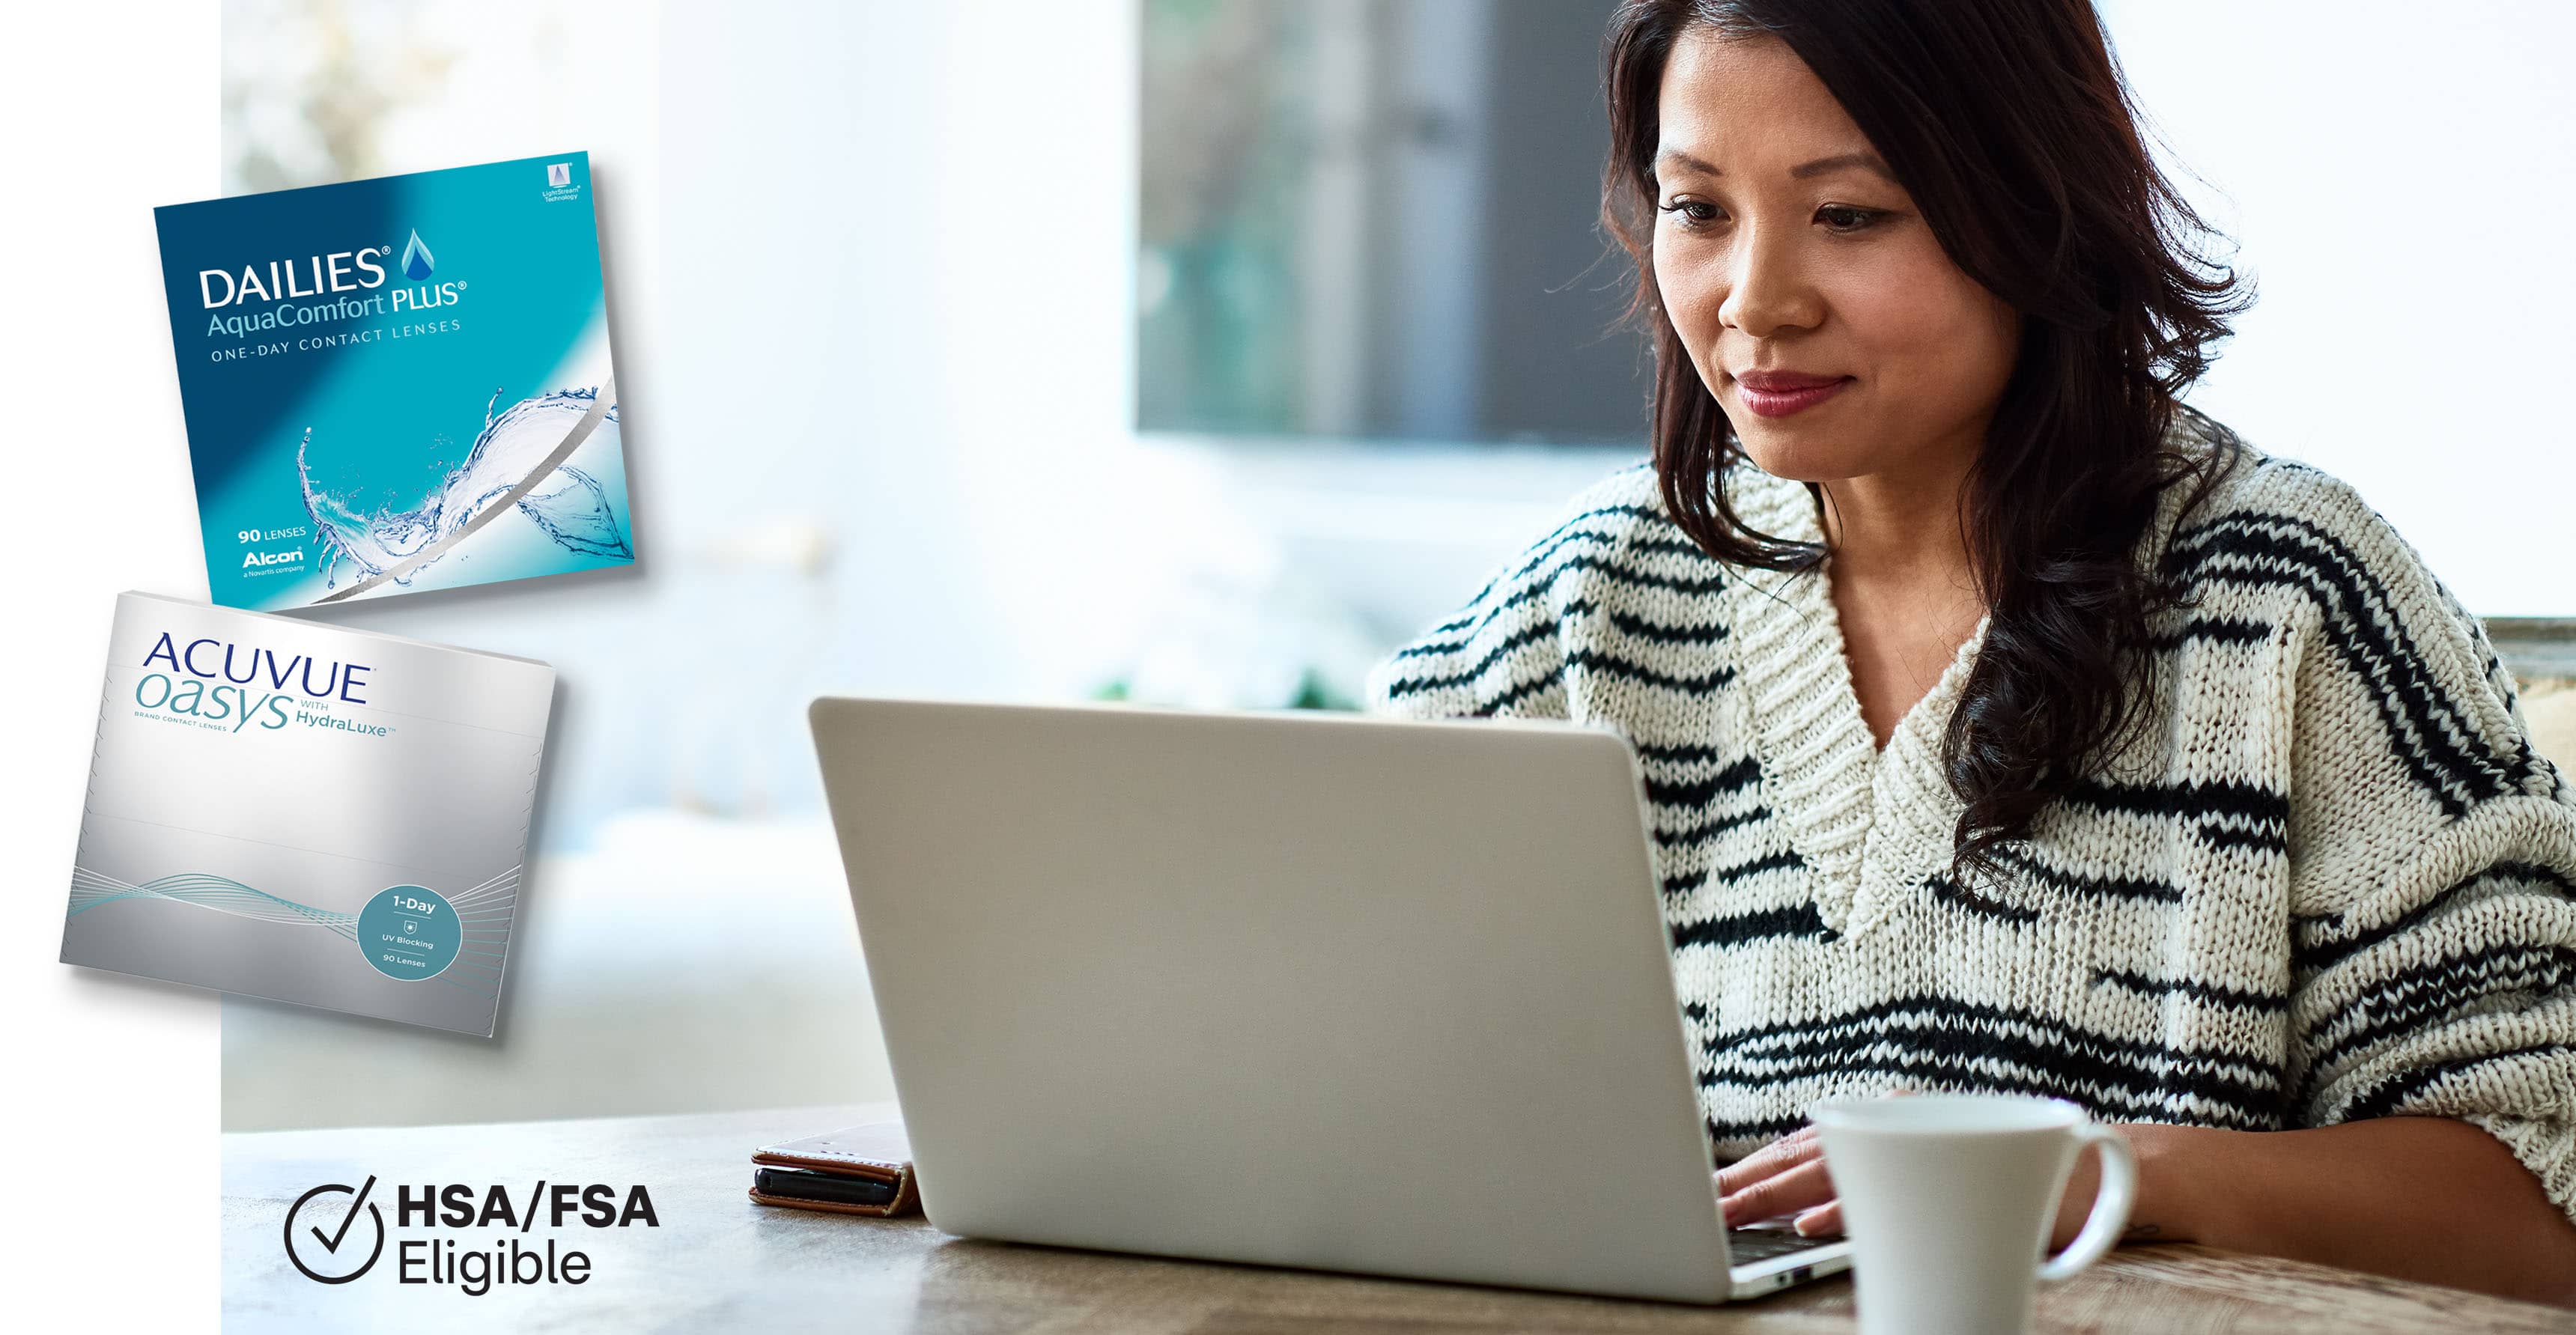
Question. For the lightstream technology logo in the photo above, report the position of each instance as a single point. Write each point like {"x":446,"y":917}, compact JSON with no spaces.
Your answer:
{"x":337,"y":1246}
{"x":417,"y":263}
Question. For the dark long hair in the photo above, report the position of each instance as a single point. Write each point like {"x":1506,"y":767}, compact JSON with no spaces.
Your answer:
{"x":2010,"y":125}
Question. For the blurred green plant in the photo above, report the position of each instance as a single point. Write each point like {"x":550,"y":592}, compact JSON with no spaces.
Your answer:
{"x":1313,"y":692}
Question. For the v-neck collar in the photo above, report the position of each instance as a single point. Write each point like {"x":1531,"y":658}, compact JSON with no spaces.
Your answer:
{"x":1869,"y":823}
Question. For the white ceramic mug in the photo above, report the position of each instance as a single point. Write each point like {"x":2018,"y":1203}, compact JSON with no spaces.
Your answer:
{"x":1949,"y":1198}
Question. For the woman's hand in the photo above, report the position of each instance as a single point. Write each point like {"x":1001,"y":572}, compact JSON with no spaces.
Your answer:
{"x":2423,"y":1198}
{"x":1788,"y":1176}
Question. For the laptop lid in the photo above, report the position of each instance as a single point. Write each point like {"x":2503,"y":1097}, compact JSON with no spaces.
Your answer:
{"x":1294,"y":989}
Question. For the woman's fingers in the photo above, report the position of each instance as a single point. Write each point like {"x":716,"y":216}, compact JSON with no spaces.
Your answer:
{"x":1801,"y":1187}
{"x":1780,"y":1155}
{"x":1788,"y":1175}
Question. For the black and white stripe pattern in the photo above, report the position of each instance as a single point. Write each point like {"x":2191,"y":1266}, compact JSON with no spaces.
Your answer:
{"x":2334,"y":882}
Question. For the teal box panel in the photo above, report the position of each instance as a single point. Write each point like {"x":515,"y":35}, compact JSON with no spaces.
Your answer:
{"x":368,"y":367}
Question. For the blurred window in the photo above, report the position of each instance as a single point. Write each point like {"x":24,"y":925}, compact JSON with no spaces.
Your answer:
{"x":1376,"y":219}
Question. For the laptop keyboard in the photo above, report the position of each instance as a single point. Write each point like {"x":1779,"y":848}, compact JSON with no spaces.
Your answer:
{"x":1761,"y":1244}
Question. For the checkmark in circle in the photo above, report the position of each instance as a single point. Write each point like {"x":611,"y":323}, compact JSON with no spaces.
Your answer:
{"x":331,"y":1242}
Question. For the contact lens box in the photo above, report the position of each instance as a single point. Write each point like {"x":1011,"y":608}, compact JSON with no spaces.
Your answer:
{"x":291,"y":810}
{"x":398,"y":384}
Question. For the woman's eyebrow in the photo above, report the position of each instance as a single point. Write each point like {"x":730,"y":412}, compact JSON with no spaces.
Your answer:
{"x":1674,"y":157}
{"x":1865,"y":161}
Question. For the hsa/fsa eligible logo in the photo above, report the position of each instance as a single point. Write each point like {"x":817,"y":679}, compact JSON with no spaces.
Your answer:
{"x":337,"y":1250}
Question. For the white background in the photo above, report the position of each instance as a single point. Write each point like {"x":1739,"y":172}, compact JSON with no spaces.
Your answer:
{"x":2399,"y":182}
{"x":2400,"y":176}
{"x":107,"y":1105}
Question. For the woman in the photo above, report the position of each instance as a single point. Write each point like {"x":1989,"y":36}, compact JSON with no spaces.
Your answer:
{"x":2006,"y":725}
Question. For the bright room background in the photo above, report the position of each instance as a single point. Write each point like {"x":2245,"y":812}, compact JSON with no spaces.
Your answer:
{"x":945,"y":373}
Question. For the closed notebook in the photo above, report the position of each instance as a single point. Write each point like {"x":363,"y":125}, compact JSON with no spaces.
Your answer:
{"x":297,"y":811}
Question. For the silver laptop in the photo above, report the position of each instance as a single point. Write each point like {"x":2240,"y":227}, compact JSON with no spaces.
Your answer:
{"x":1291,"y":989}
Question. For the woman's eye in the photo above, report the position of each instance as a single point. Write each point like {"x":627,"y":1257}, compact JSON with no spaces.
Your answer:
{"x":1847,"y":219}
{"x":1692,"y":212}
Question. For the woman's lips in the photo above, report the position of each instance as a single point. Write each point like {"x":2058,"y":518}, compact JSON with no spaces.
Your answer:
{"x":1781,"y":403}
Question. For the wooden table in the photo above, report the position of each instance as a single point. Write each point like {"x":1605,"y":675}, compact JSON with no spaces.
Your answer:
{"x":718,"y":1262}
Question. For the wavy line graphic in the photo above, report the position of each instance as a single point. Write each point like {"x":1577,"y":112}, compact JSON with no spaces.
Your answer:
{"x":91,"y":889}
{"x":479,"y":905}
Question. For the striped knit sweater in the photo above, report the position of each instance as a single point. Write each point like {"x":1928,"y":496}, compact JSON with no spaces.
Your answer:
{"x":2333,"y":881}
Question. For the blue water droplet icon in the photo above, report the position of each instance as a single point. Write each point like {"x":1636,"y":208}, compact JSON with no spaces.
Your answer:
{"x":417,"y":262}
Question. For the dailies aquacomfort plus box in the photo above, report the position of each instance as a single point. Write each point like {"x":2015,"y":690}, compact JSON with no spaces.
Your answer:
{"x":316,"y":815}
{"x":398,"y":384}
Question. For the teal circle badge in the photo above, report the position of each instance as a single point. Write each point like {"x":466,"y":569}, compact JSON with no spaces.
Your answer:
{"x":410,"y":932}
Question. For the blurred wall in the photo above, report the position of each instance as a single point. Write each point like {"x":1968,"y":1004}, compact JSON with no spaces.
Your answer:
{"x":2393,"y":173}
{"x":869,"y":274}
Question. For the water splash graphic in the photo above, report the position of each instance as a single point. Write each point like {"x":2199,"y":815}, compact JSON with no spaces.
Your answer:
{"x":417,"y":262}
{"x":569,"y":505}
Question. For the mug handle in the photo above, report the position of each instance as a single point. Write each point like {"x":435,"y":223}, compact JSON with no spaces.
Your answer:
{"x":2111,"y":1202}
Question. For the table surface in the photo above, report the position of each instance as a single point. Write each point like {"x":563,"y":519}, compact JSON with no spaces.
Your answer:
{"x":717,"y":1261}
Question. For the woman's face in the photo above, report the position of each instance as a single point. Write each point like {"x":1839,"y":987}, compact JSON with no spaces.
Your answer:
{"x":1784,"y":252}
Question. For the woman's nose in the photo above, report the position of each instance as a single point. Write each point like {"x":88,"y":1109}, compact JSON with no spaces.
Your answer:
{"x":1767,"y":286}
